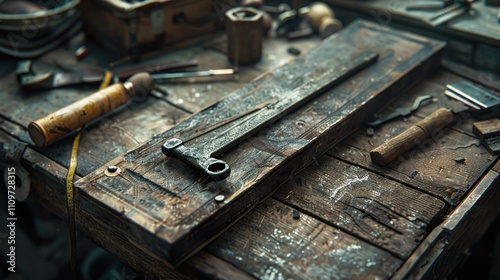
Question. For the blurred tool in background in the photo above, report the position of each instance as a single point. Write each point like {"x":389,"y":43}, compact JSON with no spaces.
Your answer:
{"x":318,"y":16}
{"x":30,"y":80}
{"x":29,"y":29}
{"x":58,"y":124}
{"x":137,"y":27}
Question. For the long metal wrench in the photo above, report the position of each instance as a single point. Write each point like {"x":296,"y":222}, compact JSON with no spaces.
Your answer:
{"x":202,"y":156}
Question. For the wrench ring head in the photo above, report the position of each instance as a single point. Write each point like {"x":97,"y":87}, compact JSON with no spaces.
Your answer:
{"x":217,"y":169}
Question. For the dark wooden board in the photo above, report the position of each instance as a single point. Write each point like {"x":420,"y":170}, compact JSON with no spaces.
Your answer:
{"x":429,"y":167}
{"x":48,"y":189}
{"x":371,"y":207}
{"x":448,"y":244}
{"x":269,"y":244}
{"x":162,"y":197}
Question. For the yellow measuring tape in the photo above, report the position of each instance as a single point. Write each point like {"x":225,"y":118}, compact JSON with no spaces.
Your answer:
{"x":70,"y":202}
{"x":70,"y":195}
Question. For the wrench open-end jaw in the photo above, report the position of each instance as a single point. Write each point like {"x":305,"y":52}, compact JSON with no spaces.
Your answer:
{"x":215,"y":168}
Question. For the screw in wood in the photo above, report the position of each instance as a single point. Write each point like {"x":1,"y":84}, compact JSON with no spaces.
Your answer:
{"x":112,"y":169}
{"x":219,"y":198}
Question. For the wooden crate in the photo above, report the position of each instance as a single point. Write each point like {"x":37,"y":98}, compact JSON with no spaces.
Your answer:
{"x":148,"y":25}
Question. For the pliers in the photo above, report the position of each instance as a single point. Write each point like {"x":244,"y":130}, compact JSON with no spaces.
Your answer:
{"x":402,"y":112}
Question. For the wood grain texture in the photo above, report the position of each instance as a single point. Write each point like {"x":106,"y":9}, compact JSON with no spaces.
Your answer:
{"x":373,"y":208}
{"x":430,"y":166}
{"x":448,"y":244}
{"x":198,"y":93}
{"x":487,"y":128}
{"x":269,"y":244}
{"x":161,"y":196}
{"x":48,"y":189}
{"x":481,"y":26}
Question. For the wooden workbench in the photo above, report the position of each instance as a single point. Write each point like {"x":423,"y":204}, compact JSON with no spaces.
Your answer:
{"x":417,"y":216}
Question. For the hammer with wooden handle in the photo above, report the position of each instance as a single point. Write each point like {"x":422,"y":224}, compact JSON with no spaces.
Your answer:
{"x":411,"y":137}
{"x":56,"y":125}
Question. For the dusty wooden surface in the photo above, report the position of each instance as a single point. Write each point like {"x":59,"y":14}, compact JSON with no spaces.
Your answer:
{"x":369,"y":228}
{"x":176,"y":203}
{"x":430,"y":166}
{"x":449,"y":243}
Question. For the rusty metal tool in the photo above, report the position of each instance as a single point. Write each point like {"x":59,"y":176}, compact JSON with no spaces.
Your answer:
{"x":402,"y":112}
{"x":31,"y":81}
{"x":202,"y":156}
{"x":387,"y":152}
{"x":56,"y":125}
{"x":486,"y":105}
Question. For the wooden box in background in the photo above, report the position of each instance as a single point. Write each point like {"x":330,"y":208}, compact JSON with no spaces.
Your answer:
{"x":132,"y":27}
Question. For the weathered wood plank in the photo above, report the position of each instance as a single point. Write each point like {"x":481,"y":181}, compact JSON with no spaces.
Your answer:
{"x":115,"y":133}
{"x":447,"y":245}
{"x":48,"y":180}
{"x":371,"y":207}
{"x":430,"y":166}
{"x":175,"y":204}
{"x":269,"y":244}
{"x":14,"y":130}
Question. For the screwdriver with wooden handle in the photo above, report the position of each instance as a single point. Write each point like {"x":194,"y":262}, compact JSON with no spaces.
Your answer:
{"x":62,"y":122}
{"x":387,"y":152}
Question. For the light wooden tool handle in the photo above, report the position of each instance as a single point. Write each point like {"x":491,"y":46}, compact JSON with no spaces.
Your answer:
{"x":323,"y":19}
{"x":411,"y":137}
{"x":54,"y":126}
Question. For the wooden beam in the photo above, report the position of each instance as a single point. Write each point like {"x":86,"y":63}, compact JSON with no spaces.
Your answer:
{"x":169,"y":208}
